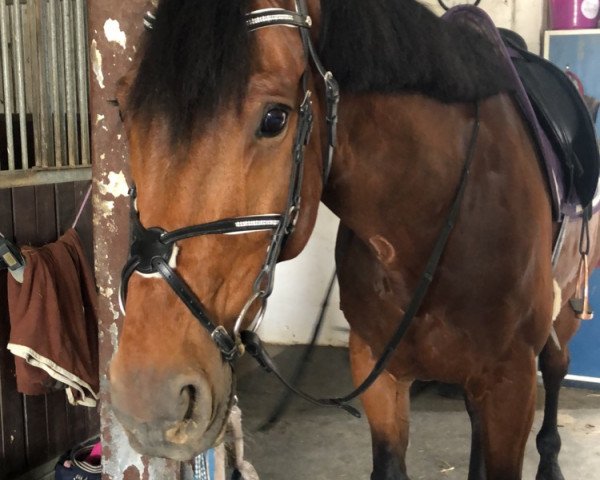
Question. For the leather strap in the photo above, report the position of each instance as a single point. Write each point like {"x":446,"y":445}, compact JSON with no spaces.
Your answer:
{"x":152,"y":249}
{"x":269,"y":17}
{"x":428,"y":274}
{"x":224,"y":341}
{"x":224,"y":227}
{"x":283,"y":225}
{"x":255,"y":347}
{"x":332,"y":95}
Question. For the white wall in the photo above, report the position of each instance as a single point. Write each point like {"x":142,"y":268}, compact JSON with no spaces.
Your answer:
{"x":300,"y":286}
{"x":301,"y":283}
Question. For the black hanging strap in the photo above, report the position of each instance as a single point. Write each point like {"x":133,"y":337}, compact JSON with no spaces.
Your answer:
{"x":255,"y":347}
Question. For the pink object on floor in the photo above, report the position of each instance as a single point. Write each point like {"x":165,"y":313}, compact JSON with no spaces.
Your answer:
{"x":95,"y":455}
{"x":572,"y":14}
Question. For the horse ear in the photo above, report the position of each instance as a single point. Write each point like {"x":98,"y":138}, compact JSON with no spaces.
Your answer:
{"x":123,"y":88}
{"x":126,"y":82}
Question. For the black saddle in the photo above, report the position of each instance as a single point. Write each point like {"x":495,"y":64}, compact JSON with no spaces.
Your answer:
{"x":563,"y":115}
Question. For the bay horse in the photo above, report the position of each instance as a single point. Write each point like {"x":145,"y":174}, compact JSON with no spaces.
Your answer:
{"x":218,"y":111}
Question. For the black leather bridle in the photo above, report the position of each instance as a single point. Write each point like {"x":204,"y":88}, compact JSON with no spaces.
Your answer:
{"x":153,"y":248}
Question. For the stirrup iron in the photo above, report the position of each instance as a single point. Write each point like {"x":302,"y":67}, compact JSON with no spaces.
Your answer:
{"x":581,"y":303}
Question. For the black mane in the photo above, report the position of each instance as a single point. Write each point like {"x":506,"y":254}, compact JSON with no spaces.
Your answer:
{"x":391,"y":46}
{"x":199,"y":55}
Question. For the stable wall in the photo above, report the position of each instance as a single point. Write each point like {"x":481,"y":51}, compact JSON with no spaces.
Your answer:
{"x":37,"y":429}
{"x":301,"y":283}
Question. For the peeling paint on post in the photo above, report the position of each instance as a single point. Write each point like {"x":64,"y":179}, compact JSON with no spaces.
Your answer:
{"x":115,"y":27}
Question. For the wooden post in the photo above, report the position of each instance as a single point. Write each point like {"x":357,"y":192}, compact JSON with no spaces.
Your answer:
{"x":114,"y":30}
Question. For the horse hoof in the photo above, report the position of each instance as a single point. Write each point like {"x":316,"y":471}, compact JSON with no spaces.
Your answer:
{"x":549,"y":472}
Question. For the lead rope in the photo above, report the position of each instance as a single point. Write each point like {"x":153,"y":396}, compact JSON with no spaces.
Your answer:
{"x":243,"y":470}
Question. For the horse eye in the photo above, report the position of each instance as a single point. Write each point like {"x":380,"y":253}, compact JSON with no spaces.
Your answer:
{"x":274,"y":122}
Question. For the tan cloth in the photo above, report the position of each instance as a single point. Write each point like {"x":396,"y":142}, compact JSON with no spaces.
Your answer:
{"x":54,"y":327}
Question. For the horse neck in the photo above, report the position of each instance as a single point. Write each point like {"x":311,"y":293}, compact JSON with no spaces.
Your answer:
{"x":397,"y":167}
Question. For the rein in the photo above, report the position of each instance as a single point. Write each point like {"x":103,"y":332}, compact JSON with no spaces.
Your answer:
{"x":255,"y":347}
{"x":153,"y":248}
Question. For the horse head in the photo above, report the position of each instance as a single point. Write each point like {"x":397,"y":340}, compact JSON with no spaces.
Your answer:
{"x":218,"y":111}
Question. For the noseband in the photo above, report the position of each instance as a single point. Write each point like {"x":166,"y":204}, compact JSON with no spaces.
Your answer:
{"x":153,"y":248}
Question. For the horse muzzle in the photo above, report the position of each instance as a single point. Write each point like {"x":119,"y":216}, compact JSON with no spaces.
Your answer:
{"x":178,"y":418}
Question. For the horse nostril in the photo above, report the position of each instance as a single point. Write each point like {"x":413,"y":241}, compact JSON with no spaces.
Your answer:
{"x":188,"y":393}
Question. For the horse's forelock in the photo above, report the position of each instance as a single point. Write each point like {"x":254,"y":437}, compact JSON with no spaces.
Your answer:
{"x":196,"y":58}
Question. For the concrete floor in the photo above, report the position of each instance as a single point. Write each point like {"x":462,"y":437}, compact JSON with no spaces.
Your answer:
{"x":324,"y":444}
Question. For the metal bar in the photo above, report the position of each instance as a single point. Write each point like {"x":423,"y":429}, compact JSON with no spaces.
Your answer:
{"x":47,"y":176}
{"x":40,"y":31}
{"x":62,"y":80}
{"x":54,"y":82}
{"x":20,"y":80}
{"x":82,"y":70}
{"x":6,"y":78}
{"x":35,"y":78}
{"x":70,"y":84}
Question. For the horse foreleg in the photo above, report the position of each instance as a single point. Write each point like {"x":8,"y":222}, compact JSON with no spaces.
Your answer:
{"x":503,"y":401}
{"x":386,"y":404}
{"x":548,"y":441}
{"x":477,"y":461}
{"x":554,"y":363}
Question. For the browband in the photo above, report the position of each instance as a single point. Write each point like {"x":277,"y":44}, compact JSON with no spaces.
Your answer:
{"x":268,"y":17}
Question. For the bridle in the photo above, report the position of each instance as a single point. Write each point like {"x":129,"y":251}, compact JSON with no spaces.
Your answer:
{"x":153,"y":248}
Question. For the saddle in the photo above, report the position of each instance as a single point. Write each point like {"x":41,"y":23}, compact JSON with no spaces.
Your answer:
{"x":559,"y":120}
{"x":564,"y":117}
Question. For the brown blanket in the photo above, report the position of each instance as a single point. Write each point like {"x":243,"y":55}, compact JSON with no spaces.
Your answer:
{"x":54,"y":328}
